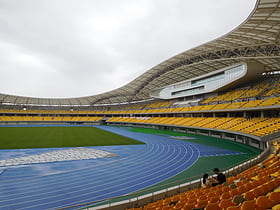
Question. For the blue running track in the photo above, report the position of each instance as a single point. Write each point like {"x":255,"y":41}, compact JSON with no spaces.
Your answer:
{"x":57,"y":185}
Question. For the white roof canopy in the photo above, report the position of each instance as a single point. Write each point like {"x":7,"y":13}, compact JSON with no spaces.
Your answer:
{"x":257,"y":39}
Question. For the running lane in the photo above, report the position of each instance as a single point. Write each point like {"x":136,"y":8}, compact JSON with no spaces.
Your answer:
{"x":160,"y":158}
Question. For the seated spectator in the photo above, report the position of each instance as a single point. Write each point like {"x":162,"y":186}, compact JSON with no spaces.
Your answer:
{"x":206,"y":181}
{"x":220,"y":179}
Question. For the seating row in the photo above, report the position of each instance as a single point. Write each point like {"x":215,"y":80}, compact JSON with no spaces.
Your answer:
{"x":274,"y":101}
{"x":256,"y":126}
{"x":263,"y":89}
{"x":47,"y":118}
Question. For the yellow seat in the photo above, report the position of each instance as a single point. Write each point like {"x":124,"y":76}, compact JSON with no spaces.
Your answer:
{"x":249,"y":195}
{"x":226,"y":203}
{"x":212,"y":206}
{"x":201,"y":203}
{"x":262,"y":202}
{"x":274,"y":197}
{"x":225,"y":195}
{"x":248,"y":205}
{"x":214,"y":199}
{"x":188,"y":206}
{"x":276,"y":207}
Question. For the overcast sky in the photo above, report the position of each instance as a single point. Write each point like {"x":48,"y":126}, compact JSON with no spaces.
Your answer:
{"x":74,"y":48}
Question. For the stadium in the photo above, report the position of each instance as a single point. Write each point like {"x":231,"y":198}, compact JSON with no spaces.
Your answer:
{"x":216,"y":105}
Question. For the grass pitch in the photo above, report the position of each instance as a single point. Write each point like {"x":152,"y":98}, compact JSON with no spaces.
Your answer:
{"x":46,"y":137}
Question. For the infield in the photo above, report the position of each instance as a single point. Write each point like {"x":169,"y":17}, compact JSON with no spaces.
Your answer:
{"x":70,"y":136}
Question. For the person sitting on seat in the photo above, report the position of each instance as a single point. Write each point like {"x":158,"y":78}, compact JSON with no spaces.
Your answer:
{"x":206,"y":181}
{"x":220,"y":179}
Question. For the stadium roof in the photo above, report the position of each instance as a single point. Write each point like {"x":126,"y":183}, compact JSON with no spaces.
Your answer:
{"x":256,"y":39}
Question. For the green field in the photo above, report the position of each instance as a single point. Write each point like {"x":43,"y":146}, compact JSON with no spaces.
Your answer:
{"x":46,"y":137}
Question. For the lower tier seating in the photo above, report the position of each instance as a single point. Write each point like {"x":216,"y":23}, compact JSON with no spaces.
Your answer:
{"x":256,"y":126}
{"x":257,"y":188}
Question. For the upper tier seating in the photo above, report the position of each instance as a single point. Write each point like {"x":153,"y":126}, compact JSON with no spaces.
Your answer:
{"x":260,"y":89}
{"x":274,"y":101}
{"x":49,"y":118}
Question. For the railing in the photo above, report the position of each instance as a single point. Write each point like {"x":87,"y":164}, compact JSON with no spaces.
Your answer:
{"x":271,"y":136}
{"x":152,"y":194}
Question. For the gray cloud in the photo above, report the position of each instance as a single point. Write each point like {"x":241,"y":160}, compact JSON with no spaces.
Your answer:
{"x":70,"y":48}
